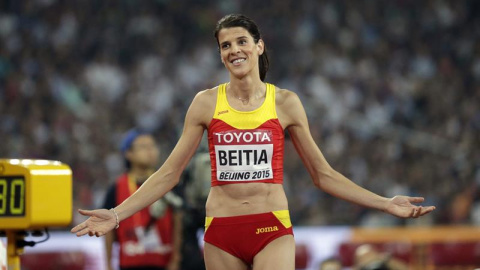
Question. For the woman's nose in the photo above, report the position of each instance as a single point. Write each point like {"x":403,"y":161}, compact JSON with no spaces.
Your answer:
{"x":234,"y":49}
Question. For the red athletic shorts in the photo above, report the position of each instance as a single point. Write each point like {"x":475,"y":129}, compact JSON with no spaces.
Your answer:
{"x":245,"y":236}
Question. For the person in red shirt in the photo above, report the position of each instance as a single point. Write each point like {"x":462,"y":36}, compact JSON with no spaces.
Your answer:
{"x":151,"y":238}
{"x":247,"y":224}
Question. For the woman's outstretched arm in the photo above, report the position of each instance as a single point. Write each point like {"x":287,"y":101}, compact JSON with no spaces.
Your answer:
{"x":101,"y":221}
{"x":293,"y":117}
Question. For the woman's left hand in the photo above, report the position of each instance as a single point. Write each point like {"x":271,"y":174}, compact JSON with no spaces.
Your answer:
{"x":402,"y":206}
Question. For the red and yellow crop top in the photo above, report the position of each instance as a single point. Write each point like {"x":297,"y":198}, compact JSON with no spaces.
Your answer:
{"x":246,"y":147}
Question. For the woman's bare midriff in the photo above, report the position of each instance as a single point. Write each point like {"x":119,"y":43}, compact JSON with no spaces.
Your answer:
{"x":245,"y":199}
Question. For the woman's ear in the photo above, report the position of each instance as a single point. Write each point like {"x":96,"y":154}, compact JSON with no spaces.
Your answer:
{"x":260,"y":46}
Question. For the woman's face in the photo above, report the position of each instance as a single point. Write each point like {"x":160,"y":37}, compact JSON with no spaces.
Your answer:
{"x":238,"y":51}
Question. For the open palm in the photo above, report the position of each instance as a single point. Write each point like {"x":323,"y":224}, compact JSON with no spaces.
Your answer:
{"x":404,"y":207}
{"x":100,"y":222}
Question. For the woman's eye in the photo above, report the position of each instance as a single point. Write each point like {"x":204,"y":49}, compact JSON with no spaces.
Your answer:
{"x":225,"y":46}
{"x":242,"y":42}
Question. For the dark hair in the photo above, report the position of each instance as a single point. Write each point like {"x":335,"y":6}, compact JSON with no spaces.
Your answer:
{"x":128,"y":140}
{"x":238,"y":20}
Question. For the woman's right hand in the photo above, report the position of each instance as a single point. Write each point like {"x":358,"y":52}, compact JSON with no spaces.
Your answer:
{"x":100,"y":222}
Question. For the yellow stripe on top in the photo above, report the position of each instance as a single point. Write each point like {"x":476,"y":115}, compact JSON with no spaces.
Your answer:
{"x":248,"y":119}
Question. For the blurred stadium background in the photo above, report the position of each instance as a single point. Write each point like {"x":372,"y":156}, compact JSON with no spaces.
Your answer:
{"x":391,"y":88}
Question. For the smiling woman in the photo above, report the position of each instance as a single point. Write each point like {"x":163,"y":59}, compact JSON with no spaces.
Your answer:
{"x":248,"y":222}
{"x":242,"y":25}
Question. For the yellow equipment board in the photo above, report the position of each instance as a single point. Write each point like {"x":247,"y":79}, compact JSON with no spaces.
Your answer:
{"x":34,"y":194}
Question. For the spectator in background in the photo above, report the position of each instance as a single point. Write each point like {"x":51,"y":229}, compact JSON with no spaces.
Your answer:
{"x":368,"y":258}
{"x":150,"y":239}
{"x":196,"y":182}
{"x":331,"y":264}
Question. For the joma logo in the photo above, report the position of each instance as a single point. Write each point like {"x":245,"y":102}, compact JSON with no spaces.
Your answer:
{"x":267,"y":229}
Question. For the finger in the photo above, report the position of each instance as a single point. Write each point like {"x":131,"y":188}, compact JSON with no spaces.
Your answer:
{"x":85,"y":212}
{"x":416,"y":199}
{"x":79,"y":227}
{"x":91,"y":233}
{"x":82,"y":232}
{"x":427,"y":210}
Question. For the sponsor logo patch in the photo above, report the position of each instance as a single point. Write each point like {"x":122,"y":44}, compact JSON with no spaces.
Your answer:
{"x":244,"y":155}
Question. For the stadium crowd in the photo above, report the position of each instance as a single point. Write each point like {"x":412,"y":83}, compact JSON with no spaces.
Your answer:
{"x":391,"y":88}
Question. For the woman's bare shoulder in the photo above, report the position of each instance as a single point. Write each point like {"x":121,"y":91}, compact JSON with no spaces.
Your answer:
{"x":206,"y":97}
{"x":203,"y":106}
{"x":285,"y":97}
{"x":288,"y":107}
{"x":208,"y":93}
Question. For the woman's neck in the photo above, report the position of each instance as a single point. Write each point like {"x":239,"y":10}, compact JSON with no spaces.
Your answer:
{"x":246,"y":88}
